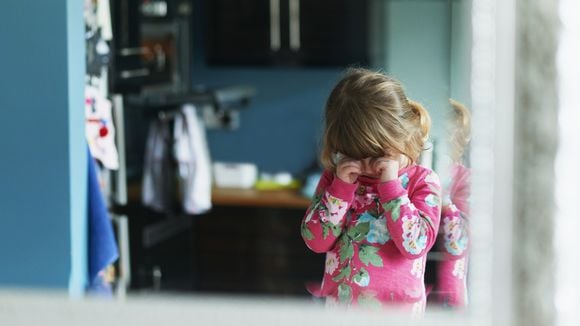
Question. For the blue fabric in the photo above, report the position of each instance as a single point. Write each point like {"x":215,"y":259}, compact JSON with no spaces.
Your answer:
{"x":103,"y":249}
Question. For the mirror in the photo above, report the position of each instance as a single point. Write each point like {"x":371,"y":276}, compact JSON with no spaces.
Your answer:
{"x":249,"y":243}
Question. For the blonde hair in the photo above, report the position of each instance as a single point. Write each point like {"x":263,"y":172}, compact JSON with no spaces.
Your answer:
{"x":460,"y":122}
{"x":368,"y":113}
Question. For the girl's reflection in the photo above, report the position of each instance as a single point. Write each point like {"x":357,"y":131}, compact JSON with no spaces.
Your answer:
{"x":453,"y":240}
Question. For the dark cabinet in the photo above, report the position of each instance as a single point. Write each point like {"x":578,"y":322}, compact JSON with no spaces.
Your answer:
{"x":333,"y":32}
{"x":238,"y":31}
{"x":251,"y":250}
{"x":287,"y":32}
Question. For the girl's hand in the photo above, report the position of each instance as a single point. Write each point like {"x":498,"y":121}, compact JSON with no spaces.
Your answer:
{"x":388,"y":167}
{"x":348,"y":170}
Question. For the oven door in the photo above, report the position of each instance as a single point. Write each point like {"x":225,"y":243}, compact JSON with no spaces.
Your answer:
{"x":150,"y":51}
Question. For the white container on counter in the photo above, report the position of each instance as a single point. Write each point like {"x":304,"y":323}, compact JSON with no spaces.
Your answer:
{"x":235,"y":175}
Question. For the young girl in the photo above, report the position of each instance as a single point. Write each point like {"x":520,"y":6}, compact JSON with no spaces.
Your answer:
{"x":451,"y":284}
{"x":376,"y":212}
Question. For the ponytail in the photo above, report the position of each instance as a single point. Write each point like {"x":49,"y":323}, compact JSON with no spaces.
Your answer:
{"x":461,"y":119}
{"x":461,"y":124}
{"x":423,"y":120}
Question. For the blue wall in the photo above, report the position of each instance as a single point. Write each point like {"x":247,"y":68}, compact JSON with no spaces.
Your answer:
{"x":281,"y":128}
{"x":461,"y":51}
{"x":43,"y":166}
{"x":419,"y":53}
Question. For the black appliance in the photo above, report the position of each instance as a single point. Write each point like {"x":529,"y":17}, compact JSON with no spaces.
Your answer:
{"x":151,"y":45}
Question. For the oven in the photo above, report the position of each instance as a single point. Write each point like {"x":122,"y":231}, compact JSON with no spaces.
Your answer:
{"x":151,"y":45}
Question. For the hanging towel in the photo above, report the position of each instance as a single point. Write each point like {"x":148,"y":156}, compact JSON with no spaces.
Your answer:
{"x":99,"y":128}
{"x":104,"y":19}
{"x":159,"y":184}
{"x":193,"y":161}
{"x":103,"y":250}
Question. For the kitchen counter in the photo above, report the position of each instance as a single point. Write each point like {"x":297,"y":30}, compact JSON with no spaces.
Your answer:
{"x":257,"y":198}
{"x":244,"y":197}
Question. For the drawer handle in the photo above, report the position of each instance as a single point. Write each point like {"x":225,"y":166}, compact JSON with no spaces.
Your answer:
{"x":126,"y":74}
{"x":294,"y":25}
{"x":275,"y":33}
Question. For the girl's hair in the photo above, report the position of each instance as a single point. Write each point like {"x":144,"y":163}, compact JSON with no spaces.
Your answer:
{"x":460,"y":124}
{"x":367,"y":114}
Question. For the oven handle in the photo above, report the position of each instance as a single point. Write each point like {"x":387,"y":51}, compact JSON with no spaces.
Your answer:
{"x":294,"y":15}
{"x":127,"y":74}
{"x":275,"y":33}
{"x":126,"y":52}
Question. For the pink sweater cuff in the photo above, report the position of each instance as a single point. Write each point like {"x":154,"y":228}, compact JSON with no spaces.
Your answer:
{"x":342,"y":190}
{"x":390,"y":190}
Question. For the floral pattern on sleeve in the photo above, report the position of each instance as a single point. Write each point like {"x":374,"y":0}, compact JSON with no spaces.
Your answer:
{"x":327,"y":213}
{"x":459,"y":268}
{"x":417,"y":270}
{"x":331,"y":262}
{"x":413,"y":222}
{"x":332,"y":209}
{"x":455,"y":231}
{"x":414,"y":234}
{"x":325,"y":218}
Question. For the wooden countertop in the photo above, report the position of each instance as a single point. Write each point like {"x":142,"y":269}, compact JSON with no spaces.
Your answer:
{"x":257,"y":198}
{"x":244,"y":197}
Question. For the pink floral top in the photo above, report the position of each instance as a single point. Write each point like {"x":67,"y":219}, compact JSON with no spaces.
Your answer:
{"x":376,"y":237}
{"x":454,"y":240}
{"x":454,"y":215}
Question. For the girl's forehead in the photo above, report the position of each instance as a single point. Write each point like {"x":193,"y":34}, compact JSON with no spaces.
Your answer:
{"x":362,"y":153}
{"x":340,"y":156}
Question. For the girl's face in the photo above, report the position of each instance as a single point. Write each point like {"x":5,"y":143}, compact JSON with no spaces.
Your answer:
{"x":368,"y":167}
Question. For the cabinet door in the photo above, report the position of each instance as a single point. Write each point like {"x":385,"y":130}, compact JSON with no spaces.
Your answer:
{"x":331,"y":32}
{"x":239,"y":31}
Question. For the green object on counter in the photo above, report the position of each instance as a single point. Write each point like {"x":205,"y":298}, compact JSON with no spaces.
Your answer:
{"x":273,"y":185}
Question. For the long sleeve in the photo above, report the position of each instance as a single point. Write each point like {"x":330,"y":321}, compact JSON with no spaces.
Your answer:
{"x":455,"y":233}
{"x":454,"y":216}
{"x":412,"y":221}
{"x":452,"y":270}
{"x":327,"y":215}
